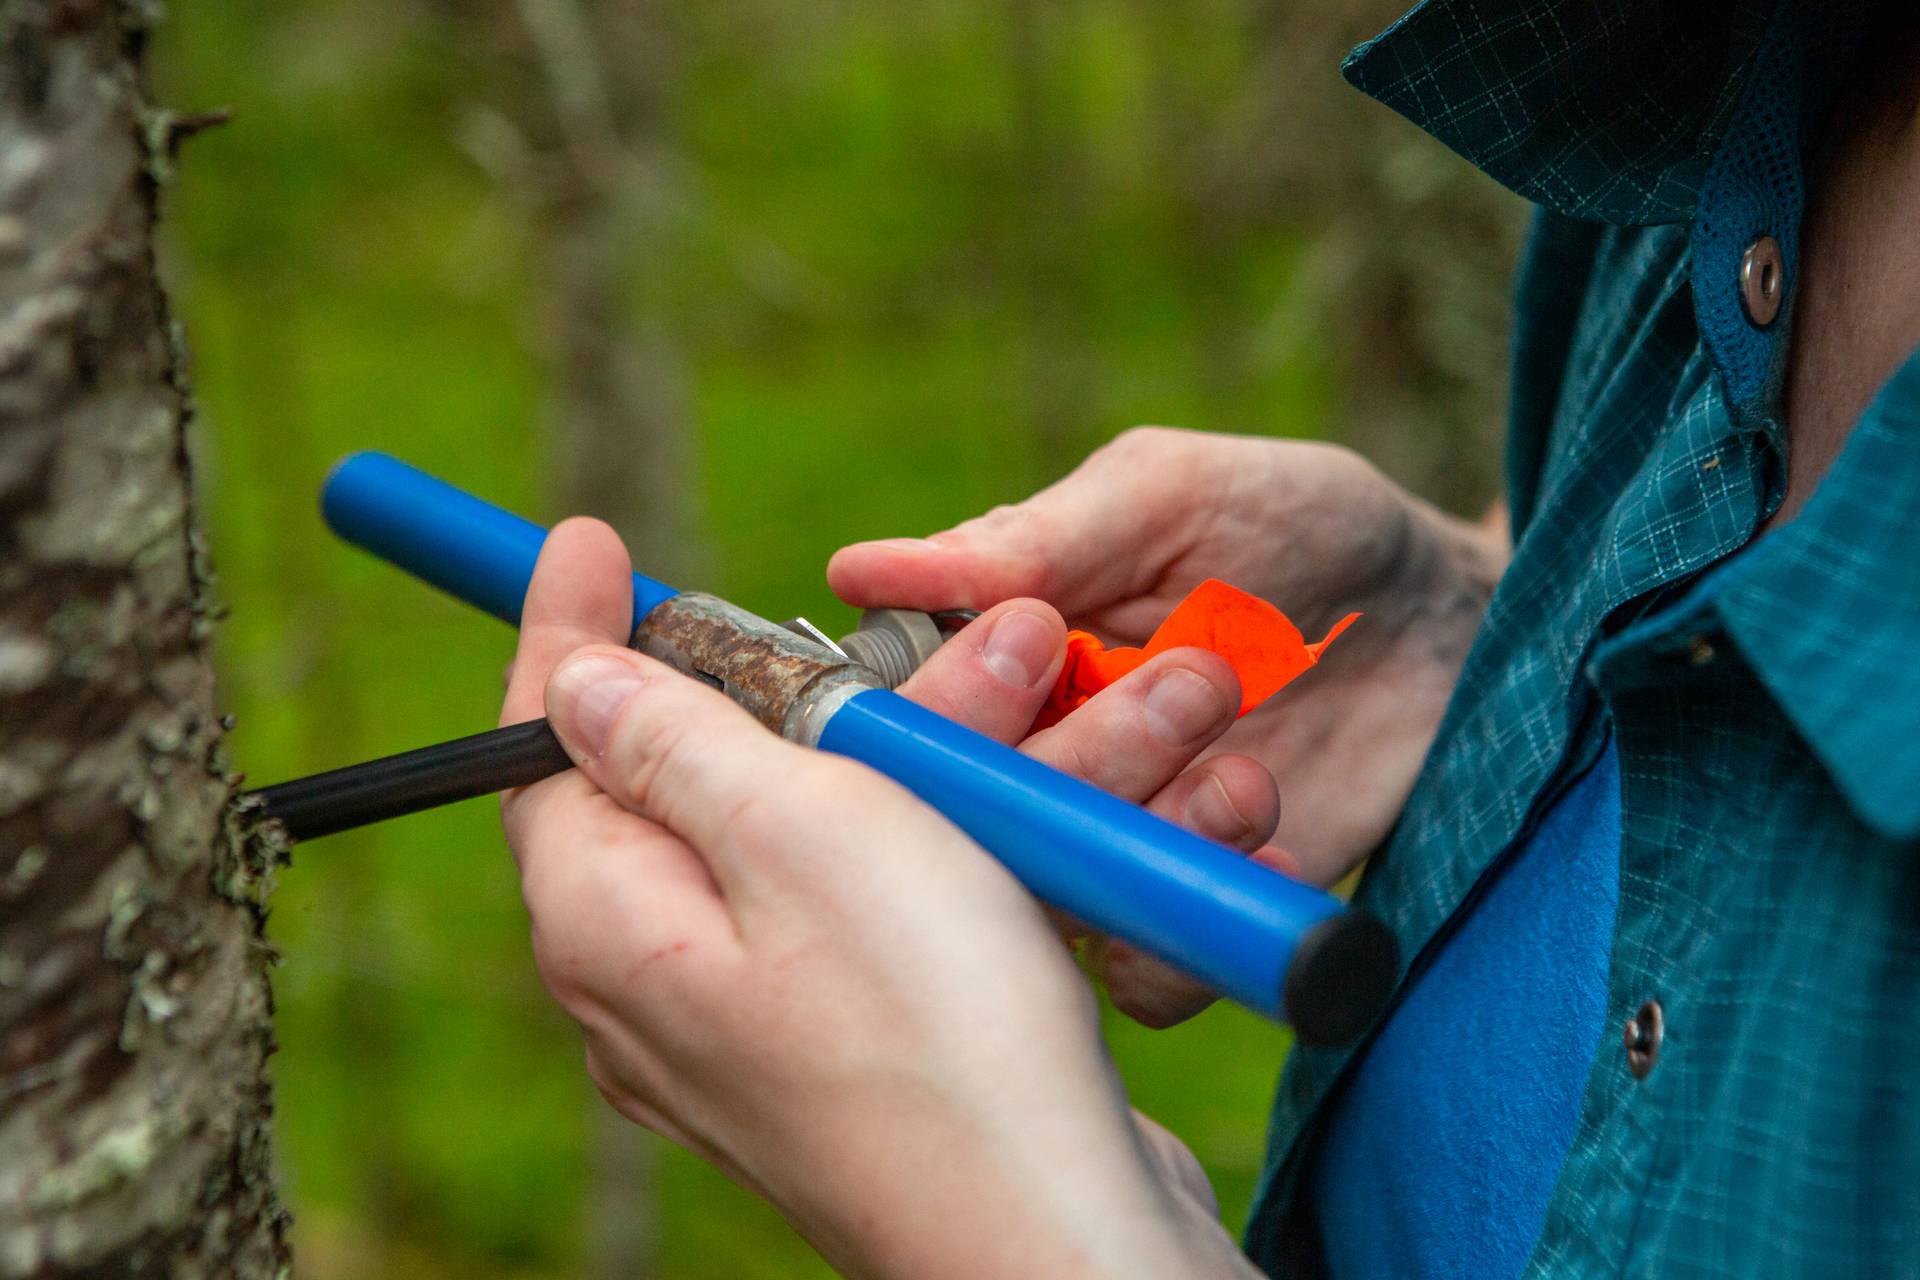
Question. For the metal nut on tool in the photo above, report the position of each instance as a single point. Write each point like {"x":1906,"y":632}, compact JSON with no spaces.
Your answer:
{"x":892,"y":643}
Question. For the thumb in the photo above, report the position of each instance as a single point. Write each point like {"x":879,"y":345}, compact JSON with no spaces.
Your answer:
{"x":1100,"y":535}
{"x":666,"y":747}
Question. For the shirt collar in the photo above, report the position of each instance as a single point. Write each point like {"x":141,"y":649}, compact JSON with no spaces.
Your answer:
{"x":1649,"y":111}
{"x":1826,"y":611}
{"x":1608,"y":110}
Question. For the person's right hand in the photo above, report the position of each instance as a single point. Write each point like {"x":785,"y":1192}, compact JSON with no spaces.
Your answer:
{"x":789,"y":965}
{"x":1313,"y":528}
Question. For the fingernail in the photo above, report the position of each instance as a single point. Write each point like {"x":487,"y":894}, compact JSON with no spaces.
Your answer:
{"x":1181,"y":706}
{"x":1210,"y":811}
{"x":1019,"y":649}
{"x":584,"y":697}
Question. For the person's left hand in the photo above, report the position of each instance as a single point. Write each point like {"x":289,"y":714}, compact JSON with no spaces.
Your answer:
{"x":1139,"y":738}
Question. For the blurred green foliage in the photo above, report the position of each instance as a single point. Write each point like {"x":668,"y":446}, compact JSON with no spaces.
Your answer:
{"x":903,"y":262}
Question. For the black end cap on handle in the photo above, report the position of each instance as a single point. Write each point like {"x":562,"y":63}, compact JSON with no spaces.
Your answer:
{"x":1340,"y":979}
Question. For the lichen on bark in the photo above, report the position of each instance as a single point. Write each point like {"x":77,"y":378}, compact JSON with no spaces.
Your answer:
{"x":135,"y":1014}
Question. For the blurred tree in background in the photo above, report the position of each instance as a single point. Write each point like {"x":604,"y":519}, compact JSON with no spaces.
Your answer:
{"x":751,"y":280}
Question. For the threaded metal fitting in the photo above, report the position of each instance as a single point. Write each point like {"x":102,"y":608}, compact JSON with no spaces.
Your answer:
{"x":892,"y":643}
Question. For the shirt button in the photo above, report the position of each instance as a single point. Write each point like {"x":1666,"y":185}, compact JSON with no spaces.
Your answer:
{"x":1645,"y":1030}
{"x":1763,"y":281}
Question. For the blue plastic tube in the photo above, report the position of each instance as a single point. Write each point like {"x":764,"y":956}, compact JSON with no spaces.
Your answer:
{"x":468,"y":548}
{"x":1270,"y":942}
{"x":1208,"y":911}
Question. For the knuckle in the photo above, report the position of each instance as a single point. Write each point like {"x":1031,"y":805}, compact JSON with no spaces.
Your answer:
{"x":1020,"y":522}
{"x":1149,"y":453}
{"x":541,"y":890}
{"x":647,"y":750}
{"x":751,"y":817}
{"x":1152,"y":1012}
{"x":1157,"y":468}
{"x":1143,"y":440}
{"x":1149,"y":1012}
{"x":604,"y":1078}
{"x":673,"y":763}
{"x":1205,"y":663}
{"x":1069,"y":754}
{"x":1328,"y":467}
{"x":760,"y":808}
{"x":1147,"y":990}
{"x":619,"y":1094}
{"x":563,"y":971}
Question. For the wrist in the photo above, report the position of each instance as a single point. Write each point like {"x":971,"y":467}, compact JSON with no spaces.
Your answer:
{"x":950,"y":1198}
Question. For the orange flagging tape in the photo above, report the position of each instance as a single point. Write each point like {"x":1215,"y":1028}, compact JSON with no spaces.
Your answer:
{"x":1258,"y":641}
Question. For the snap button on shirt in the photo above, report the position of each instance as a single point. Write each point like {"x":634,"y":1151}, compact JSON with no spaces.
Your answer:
{"x":1763,"y":281}
{"x":1644,"y":1032}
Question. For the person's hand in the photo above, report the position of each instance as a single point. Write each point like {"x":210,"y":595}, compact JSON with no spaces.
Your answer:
{"x":1139,"y":739}
{"x":1313,"y":528}
{"x":789,"y":965}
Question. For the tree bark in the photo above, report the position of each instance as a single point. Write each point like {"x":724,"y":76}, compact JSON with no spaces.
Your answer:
{"x":135,"y":1015}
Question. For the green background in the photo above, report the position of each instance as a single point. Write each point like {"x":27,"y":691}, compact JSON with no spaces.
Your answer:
{"x":891,"y":263}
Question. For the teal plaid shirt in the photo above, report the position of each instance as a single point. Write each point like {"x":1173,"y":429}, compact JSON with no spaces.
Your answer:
{"x":1763,"y":693}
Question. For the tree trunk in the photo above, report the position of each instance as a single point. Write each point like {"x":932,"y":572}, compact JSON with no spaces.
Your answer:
{"x":135,"y":1017}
